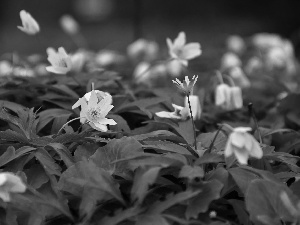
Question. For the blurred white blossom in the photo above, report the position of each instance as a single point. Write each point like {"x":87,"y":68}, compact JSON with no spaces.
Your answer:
{"x":175,"y":68}
{"x":69,"y":24}
{"x":230,"y":60}
{"x":236,"y":44}
{"x":239,"y":77}
{"x":228,"y":98}
{"x":60,"y":61}
{"x":181,"y":51}
{"x":29,"y":24}
{"x":105,"y":58}
{"x":77,"y":59}
{"x":180,"y":112}
{"x":10,"y":183}
{"x":5,"y":68}
{"x":242,"y":145}
{"x":143,"y":50}
{"x":253,"y":65}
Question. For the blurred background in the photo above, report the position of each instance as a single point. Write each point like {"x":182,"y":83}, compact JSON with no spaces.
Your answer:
{"x":114,"y":24}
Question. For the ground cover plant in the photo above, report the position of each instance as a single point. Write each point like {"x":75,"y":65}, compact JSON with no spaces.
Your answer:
{"x":140,"y":138}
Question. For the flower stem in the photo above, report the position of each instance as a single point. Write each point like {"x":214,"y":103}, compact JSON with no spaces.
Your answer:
{"x":195,"y":141}
{"x":215,"y":138}
{"x":219,"y":76}
{"x":252,"y":114}
{"x":67,"y":124}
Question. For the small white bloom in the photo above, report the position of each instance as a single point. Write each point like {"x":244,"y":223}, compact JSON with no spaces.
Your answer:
{"x":143,"y":50}
{"x":180,"y":112}
{"x":175,"y":68}
{"x":94,"y":112}
{"x":239,"y":77}
{"x":29,"y":24}
{"x":236,"y":44}
{"x":69,"y":24}
{"x":5,"y":68}
{"x":236,"y":98}
{"x":186,"y":86}
{"x":230,"y":60}
{"x":60,"y":61}
{"x":10,"y":183}
{"x":77,"y":61}
{"x":181,"y":51}
{"x":228,"y":98}
{"x":106,"y":58}
{"x":195,"y":106}
{"x":254,"y":64}
{"x":242,"y":145}
{"x":265,"y":41}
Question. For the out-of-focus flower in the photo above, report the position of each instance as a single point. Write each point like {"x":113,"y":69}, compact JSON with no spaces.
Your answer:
{"x":106,"y":58}
{"x":60,"y":61}
{"x":29,"y":24}
{"x":292,"y":206}
{"x":236,"y":44}
{"x":143,"y":50}
{"x":180,"y":112}
{"x":265,"y":41}
{"x":239,"y":77}
{"x":276,"y":58}
{"x":77,"y":60}
{"x":69,"y":24}
{"x":242,"y":145}
{"x":181,"y":51}
{"x":23,"y":72}
{"x":146,"y":74}
{"x":175,"y":68}
{"x":228,"y":98}
{"x":212,"y":214}
{"x":254,"y":64}
{"x":10,"y":183}
{"x":195,"y":106}
{"x":95,"y":110}
{"x":186,"y":86}
{"x":230,"y":60}
{"x":5,"y":68}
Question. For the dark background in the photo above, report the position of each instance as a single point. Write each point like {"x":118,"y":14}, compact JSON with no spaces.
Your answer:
{"x":206,"y":21}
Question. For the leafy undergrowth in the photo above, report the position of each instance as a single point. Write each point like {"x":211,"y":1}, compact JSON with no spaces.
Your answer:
{"x":146,"y":169}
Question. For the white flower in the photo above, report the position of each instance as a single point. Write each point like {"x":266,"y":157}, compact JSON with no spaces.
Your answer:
{"x":10,"y":183}
{"x":230,"y":60}
{"x":175,"y":68}
{"x":69,"y":24}
{"x":181,"y":51}
{"x":236,"y":44}
{"x":239,"y":77}
{"x":179,"y":113}
{"x":60,"y":61}
{"x":94,"y":112}
{"x":228,"y":98}
{"x":5,"y":68}
{"x":186,"y":86}
{"x":242,"y":145}
{"x":253,"y":64}
{"x":195,"y":106}
{"x":77,"y":61}
{"x":106,"y":58}
{"x":264,"y":41}
{"x":143,"y":50}
{"x":29,"y":24}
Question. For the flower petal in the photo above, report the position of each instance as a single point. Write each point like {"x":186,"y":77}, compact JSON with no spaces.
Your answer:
{"x":106,"y":121}
{"x":99,"y":127}
{"x":238,"y":139}
{"x":228,"y":148}
{"x":256,"y":150}
{"x":241,"y":155}
{"x":57,"y":70}
{"x":191,"y":50}
{"x":93,"y":100}
{"x":180,"y":40}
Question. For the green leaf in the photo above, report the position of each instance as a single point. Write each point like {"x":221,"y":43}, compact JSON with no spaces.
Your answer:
{"x":120,"y":216}
{"x":116,"y":149}
{"x":191,"y":172}
{"x":209,"y":158}
{"x":47,"y":162}
{"x":264,"y":203}
{"x":13,"y":136}
{"x":166,"y":146}
{"x":11,"y":154}
{"x":143,"y":178}
{"x":240,"y":210}
{"x":63,"y":152}
{"x":288,"y":159}
{"x":171,"y":200}
{"x":151,"y":219}
{"x":207,"y":138}
{"x":209,"y":191}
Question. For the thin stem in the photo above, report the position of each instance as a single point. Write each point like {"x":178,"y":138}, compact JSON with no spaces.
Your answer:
{"x":195,"y":141}
{"x":215,"y":138}
{"x":93,"y":86}
{"x":219,"y":76}
{"x":67,"y":124}
{"x":252,"y":114}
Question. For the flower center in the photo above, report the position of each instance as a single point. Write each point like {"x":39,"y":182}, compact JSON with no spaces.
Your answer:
{"x":95,"y":113}
{"x":62,"y":63}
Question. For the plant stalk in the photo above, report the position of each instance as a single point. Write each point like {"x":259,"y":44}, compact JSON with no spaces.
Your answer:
{"x":194,"y":128}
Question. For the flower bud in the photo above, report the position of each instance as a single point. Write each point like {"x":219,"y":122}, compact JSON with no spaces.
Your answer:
{"x":69,"y":24}
{"x":236,"y":44}
{"x":230,"y":60}
{"x":29,"y":24}
{"x":223,"y":96}
{"x":236,"y":98}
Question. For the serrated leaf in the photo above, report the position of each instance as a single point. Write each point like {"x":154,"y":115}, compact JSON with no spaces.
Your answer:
{"x":191,"y":172}
{"x":72,"y":137}
{"x":120,"y":216}
{"x":47,"y":162}
{"x":143,"y":178}
{"x":116,"y":149}
{"x":209,"y":158}
{"x":209,"y":191}
{"x":12,"y":136}
{"x":11,"y":154}
{"x":63,"y":152}
{"x":288,"y":159}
